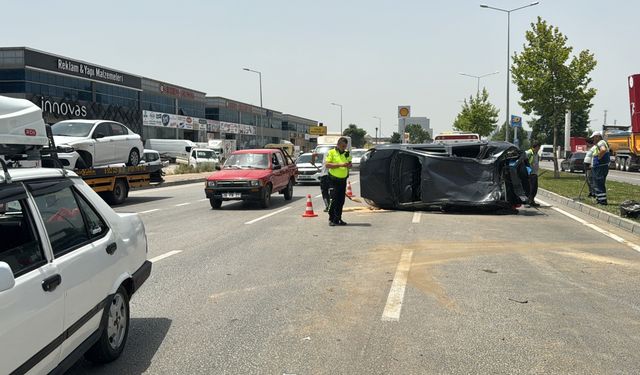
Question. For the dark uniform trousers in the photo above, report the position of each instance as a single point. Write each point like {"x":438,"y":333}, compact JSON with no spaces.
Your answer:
{"x":338,"y":192}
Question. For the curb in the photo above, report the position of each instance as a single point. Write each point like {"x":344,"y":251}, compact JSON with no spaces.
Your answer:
{"x":594,"y":212}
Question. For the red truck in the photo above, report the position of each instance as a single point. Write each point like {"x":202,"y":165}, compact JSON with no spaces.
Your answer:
{"x":252,"y":175}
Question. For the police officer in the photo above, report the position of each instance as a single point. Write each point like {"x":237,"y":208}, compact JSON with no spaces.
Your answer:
{"x":534,"y":163}
{"x":600,"y":167}
{"x":338,"y":162}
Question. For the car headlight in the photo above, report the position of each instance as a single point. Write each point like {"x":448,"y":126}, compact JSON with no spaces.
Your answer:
{"x":64,"y":149}
{"x":254,"y":182}
{"x":211,"y":183}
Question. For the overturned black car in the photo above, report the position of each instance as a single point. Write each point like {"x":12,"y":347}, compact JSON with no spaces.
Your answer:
{"x":475,"y":176}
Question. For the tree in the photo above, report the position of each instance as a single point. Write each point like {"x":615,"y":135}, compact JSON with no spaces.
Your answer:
{"x":357,"y":135}
{"x":543,"y":131}
{"x":548,"y":82}
{"x":395,"y":138}
{"x":523,"y":136}
{"x":478,"y":115}
{"x":417,"y":134}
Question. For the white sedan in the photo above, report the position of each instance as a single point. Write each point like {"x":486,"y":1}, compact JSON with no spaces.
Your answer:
{"x":89,"y":143}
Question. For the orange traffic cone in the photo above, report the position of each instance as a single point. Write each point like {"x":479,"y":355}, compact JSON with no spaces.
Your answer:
{"x":349,"y":191}
{"x":309,"y":211}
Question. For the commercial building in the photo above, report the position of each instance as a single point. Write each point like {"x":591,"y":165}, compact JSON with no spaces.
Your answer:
{"x":424,"y":122}
{"x":66,"y":88}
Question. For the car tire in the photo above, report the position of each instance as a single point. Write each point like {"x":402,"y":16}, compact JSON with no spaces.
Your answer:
{"x":288,"y":191}
{"x":265,"y":201}
{"x":115,"y":329}
{"x":625,"y":165}
{"x":134,"y":157}
{"x":215,"y":203}
{"x":119,"y":193}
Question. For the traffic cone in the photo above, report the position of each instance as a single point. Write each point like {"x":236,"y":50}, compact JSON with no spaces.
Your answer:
{"x":309,"y":211}
{"x":349,"y":191}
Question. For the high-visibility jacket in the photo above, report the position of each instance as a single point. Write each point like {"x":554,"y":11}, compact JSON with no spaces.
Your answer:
{"x":596,"y":154}
{"x":335,"y":157}
{"x":533,"y":159}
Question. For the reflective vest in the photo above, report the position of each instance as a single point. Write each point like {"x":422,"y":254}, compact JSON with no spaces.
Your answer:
{"x":532,"y":157}
{"x":596,"y":154}
{"x":335,"y":157}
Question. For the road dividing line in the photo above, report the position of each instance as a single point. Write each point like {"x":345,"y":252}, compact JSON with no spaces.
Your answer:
{"x":318,"y":196}
{"x":266,"y":216}
{"x":392,"y":309}
{"x":149,"y":211}
{"x":182,"y":204}
{"x":165,"y":255}
{"x":202,"y":200}
{"x":613,"y":236}
{"x":416,"y":217}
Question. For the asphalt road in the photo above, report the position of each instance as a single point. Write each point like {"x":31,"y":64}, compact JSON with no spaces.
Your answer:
{"x":392,"y":293}
{"x":614,"y":175}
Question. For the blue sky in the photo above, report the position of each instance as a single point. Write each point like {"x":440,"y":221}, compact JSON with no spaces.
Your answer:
{"x":370,"y":56}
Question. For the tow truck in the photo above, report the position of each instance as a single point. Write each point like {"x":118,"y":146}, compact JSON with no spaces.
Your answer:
{"x":26,"y":141}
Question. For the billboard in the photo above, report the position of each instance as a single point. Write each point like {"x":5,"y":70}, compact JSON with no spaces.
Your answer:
{"x":404,"y":111}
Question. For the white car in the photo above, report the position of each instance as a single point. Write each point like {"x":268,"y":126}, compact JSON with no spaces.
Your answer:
{"x":152,"y":157}
{"x":307,"y":172}
{"x":200,"y":156}
{"x":68,"y":266}
{"x":356,"y":154}
{"x":89,"y":143}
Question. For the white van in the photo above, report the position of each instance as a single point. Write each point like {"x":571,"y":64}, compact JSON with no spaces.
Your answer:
{"x":199,"y":156}
{"x":546,"y":152}
{"x":171,"y":148}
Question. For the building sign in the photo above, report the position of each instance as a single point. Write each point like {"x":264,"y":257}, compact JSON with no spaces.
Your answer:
{"x":516,"y":121}
{"x":166,"y":120}
{"x":75,"y":68}
{"x":404,"y":111}
{"x":318,"y":130}
{"x":177,"y":92}
{"x":62,"y":108}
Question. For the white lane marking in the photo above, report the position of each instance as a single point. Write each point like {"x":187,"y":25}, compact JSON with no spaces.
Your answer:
{"x":148,"y":211}
{"x":354,"y":182}
{"x":613,"y":236}
{"x":165,"y":255}
{"x":318,"y":196}
{"x":416,"y":217}
{"x":182,"y":204}
{"x":202,"y":200}
{"x":266,"y":216}
{"x":392,"y":309}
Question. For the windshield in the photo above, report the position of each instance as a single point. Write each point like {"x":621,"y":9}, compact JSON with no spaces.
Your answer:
{"x":72,"y":129}
{"x":306,"y":158}
{"x":323,"y":149}
{"x":578,"y":155}
{"x":358,"y":153}
{"x":205,"y":155}
{"x":247,"y":161}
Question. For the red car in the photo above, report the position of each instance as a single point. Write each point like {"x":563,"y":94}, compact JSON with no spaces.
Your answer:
{"x":252,"y":175}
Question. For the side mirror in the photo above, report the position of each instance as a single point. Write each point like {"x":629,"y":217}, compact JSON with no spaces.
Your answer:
{"x":7,"y":281}
{"x":98,"y":135}
{"x":276,"y":167}
{"x":187,"y":149}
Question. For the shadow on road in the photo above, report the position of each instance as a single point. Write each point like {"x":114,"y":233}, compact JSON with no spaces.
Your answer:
{"x":139,"y":200}
{"x":277,"y":201}
{"x":145,"y":337}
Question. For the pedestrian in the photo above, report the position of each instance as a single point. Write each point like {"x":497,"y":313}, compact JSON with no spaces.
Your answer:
{"x":338,"y":162}
{"x":588,"y":158}
{"x":324,"y":179}
{"x":600,"y":167}
{"x":534,"y":163}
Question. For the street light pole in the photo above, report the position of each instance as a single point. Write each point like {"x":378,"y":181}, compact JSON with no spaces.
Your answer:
{"x":478,"y":78}
{"x":376,"y":136}
{"x":379,"y":125}
{"x":508,"y":11}
{"x":339,"y":105}
{"x":260,"y":79}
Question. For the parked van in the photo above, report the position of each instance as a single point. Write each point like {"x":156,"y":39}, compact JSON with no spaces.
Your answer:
{"x":546,"y":152}
{"x":199,"y":156}
{"x":171,"y":148}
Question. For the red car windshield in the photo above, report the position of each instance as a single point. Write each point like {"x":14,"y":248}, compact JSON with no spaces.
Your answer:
{"x":247,"y":161}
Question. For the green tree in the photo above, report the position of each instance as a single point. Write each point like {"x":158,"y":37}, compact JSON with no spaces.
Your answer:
{"x":543,"y":131}
{"x":417,"y":134}
{"x":478,"y":115}
{"x":357,"y":135}
{"x":548,"y":82}
{"x":395,"y":138}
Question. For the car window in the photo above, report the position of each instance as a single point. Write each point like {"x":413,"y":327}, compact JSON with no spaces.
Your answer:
{"x":103,"y":128}
{"x":117,"y":129}
{"x":280,"y":158}
{"x":19,"y":247}
{"x":63,"y":220}
{"x":96,"y":227}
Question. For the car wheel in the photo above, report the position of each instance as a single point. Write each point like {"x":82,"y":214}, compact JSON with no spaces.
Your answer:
{"x":115,"y":329}
{"x":134,"y":158}
{"x":215,"y":203}
{"x":625,"y":165}
{"x":561,"y":167}
{"x":288,"y":192}
{"x":266,"y":197}
{"x":571,"y":170}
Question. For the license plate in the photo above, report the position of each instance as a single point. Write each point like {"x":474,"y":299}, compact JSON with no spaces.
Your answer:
{"x":231,"y":195}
